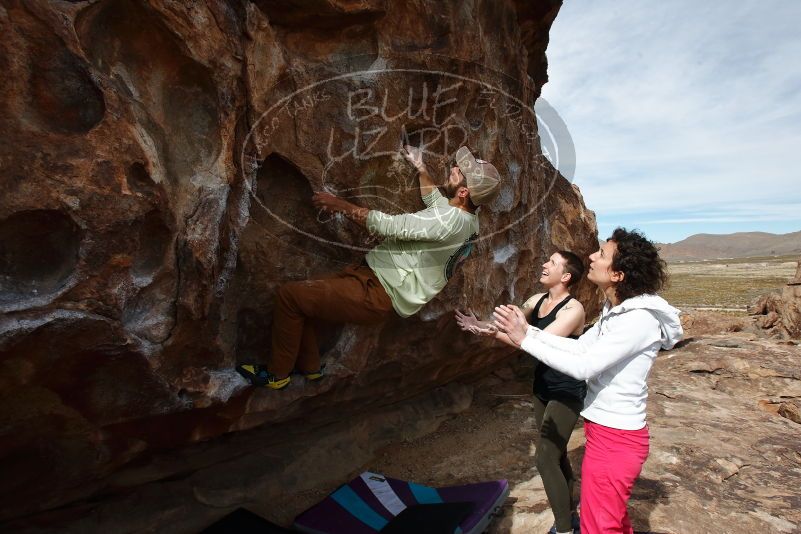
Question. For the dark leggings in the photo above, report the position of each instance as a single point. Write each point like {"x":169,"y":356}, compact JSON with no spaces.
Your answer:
{"x":555,"y":422}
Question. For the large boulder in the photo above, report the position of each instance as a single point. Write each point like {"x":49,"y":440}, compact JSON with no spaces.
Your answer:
{"x":791,"y":309}
{"x":157,"y":167}
{"x":779,"y":312}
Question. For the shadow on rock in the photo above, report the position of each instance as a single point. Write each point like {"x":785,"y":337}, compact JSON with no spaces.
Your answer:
{"x":646,"y":495}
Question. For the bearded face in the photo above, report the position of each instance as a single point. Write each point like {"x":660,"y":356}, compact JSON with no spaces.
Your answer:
{"x":451,"y":188}
{"x":455,"y":180}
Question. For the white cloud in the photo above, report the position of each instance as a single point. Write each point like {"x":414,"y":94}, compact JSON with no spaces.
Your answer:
{"x":681,"y":105}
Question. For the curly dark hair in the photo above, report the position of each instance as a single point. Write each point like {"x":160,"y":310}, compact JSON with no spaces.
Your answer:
{"x":638,"y":259}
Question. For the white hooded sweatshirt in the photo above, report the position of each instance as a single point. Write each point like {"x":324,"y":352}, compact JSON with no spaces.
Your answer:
{"x":614,"y":357}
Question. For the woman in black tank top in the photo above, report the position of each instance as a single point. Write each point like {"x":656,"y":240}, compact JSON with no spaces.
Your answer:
{"x":550,"y":384}
{"x":558,"y":398}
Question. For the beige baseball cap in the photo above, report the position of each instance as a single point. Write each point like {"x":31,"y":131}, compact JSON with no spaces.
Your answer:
{"x":483,"y":179}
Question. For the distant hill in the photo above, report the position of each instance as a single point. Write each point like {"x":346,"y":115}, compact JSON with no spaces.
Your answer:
{"x":737,"y":245}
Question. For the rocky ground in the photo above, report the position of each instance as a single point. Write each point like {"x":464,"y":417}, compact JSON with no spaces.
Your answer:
{"x":725,"y":450}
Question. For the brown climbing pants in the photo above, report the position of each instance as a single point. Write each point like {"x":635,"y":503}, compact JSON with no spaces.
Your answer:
{"x":354,"y":295}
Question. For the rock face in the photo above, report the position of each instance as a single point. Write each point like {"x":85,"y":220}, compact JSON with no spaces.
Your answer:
{"x":780,"y":312}
{"x":723,"y":449}
{"x":156,"y":174}
{"x":724,"y":452}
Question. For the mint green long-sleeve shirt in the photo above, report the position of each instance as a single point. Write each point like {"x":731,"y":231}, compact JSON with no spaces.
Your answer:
{"x":420,"y":250}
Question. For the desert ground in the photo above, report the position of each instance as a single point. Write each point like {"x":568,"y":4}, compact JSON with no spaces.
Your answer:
{"x":726,"y":284}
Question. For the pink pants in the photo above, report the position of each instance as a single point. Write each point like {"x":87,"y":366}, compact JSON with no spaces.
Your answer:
{"x":612,"y":462}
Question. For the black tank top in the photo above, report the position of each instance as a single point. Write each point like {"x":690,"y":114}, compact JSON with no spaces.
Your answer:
{"x":550,"y":384}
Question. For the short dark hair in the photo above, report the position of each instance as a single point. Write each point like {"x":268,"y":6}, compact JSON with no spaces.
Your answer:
{"x":573,"y":266}
{"x":638,"y":259}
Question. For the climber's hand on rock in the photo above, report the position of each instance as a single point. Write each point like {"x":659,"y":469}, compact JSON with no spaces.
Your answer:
{"x":414,"y":156}
{"x":329,"y":203}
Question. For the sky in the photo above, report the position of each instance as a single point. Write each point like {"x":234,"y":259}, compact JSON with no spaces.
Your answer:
{"x":685,"y":115}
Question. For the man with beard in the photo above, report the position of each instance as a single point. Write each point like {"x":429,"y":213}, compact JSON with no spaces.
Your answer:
{"x":417,"y":256}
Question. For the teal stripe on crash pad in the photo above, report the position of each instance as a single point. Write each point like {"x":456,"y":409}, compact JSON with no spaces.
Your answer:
{"x":347,"y":499}
{"x":424,"y":494}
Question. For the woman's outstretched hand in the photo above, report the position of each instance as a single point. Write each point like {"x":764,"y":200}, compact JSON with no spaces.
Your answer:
{"x":510,"y":320}
{"x":467,"y":321}
{"x":470,"y":323}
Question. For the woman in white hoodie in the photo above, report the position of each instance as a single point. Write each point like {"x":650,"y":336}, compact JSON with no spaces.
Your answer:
{"x":614,"y":357}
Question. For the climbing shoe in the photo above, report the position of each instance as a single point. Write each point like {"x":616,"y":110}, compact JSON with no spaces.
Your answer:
{"x":314,"y":375}
{"x":575,"y":525}
{"x":261,"y":377}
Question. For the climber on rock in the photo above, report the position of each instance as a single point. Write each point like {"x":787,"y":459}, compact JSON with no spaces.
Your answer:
{"x":413,"y":263}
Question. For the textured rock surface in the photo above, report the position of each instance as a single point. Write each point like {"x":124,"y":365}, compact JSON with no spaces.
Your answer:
{"x":724,"y":450}
{"x":250,"y":469}
{"x":725,"y":454}
{"x":779,"y":313}
{"x":721,"y":457}
{"x":155,"y":190}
